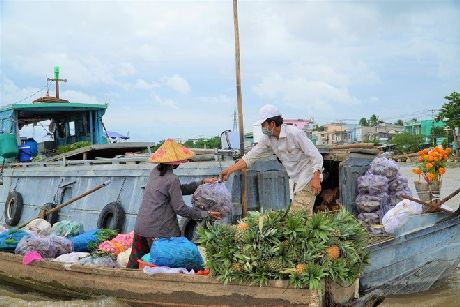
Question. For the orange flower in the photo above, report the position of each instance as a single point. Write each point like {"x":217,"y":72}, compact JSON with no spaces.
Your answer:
{"x":417,"y":171}
{"x":428,"y":165}
{"x":420,"y":159}
{"x":442,"y":170}
{"x":425,"y":157}
{"x":447,"y":150}
{"x":430,"y":176}
{"x":421,"y":153}
{"x":431,"y":157}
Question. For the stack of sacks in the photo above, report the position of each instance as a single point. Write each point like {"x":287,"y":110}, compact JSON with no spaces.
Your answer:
{"x":117,"y":245}
{"x":380,"y":189}
{"x":48,"y":247}
{"x":397,"y":184}
{"x":372,"y":196}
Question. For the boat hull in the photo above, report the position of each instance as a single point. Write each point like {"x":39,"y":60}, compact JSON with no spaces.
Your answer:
{"x":137,"y":288}
{"x":425,"y":251}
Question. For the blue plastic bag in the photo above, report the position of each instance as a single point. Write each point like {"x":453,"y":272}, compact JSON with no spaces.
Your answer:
{"x":80,"y":243}
{"x":9,"y":239}
{"x":176,"y":252}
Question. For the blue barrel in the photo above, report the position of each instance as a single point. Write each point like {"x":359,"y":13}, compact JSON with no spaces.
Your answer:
{"x":28,"y":150}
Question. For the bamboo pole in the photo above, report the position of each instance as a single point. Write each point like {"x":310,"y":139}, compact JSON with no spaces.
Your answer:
{"x":239,"y":99}
{"x":70,"y":201}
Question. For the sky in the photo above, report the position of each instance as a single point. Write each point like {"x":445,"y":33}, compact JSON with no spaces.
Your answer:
{"x":167,"y":68}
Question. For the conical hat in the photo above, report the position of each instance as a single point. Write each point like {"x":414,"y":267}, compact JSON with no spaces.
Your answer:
{"x":171,"y":152}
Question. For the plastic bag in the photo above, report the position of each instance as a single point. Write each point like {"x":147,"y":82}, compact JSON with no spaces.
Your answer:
{"x":213,"y":197}
{"x":397,"y":216}
{"x":71,"y":257}
{"x":396,"y":197}
{"x":48,"y":247}
{"x":123,"y":258}
{"x":176,"y":252}
{"x":82,"y":242}
{"x":384,"y":167}
{"x":67,"y":229}
{"x":40,"y":226}
{"x":99,"y":261}
{"x":9,"y":239}
{"x":166,"y":270}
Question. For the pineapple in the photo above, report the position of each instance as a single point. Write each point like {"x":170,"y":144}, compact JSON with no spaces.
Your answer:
{"x":333,"y":252}
{"x":236,"y":267}
{"x":300,"y":268}
{"x":274,"y":264}
{"x":241,"y":229}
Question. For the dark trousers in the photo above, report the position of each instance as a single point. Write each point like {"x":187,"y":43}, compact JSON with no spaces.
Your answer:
{"x":140,"y":247}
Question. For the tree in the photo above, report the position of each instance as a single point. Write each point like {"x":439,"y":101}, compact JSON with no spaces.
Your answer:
{"x":406,"y":142}
{"x":373,"y":121}
{"x":363,"y":122}
{"x":399,"y":122}
{"x":450,"y":110}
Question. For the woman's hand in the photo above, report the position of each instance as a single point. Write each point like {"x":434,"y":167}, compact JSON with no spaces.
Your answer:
{"x":215,"y":215}
{"x":210,"y":180}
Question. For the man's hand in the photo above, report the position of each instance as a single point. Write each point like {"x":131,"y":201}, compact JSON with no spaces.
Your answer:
{"x":316,"y":183}
{"x":210,"y":180}
{"x":239,"y":165}
{"x":223,"y":176}
{"x":215,"y":215}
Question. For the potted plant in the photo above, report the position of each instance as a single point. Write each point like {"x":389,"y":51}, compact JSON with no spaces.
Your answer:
{"x":431,"y":166}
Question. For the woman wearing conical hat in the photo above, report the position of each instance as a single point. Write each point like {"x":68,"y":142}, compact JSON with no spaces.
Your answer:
{"x":162,"y":201}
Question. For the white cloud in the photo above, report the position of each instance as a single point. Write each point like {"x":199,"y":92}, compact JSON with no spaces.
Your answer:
{"x":145,"y":85}
{"x":75,"y":96}
{"x":304,"y":93}
{"x":178,"y":84}
{"x":218,"y":100}
{"x":168,"y":103}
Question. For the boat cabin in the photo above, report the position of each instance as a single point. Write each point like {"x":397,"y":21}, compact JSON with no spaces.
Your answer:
{"x":64,"y":122}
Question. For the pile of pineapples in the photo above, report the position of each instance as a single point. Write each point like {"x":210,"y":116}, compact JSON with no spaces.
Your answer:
{"x":287,"y":245}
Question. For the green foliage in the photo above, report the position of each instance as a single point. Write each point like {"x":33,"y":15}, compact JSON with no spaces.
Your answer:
{"x":363,"y":122}
{"x":373,"y":120}
{"x":451,"y":110}
{"x":66,"y":148}
{"x":406,"y":142}
{"x":213,"y":142}
{"x":286,"y":245}
{"x":399,"y":122}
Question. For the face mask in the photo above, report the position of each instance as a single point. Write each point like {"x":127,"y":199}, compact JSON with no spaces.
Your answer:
{"x":267,"y":132}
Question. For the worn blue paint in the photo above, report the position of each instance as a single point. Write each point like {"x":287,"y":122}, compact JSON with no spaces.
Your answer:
{"x":127,"y":185}
{"x":426,"y":249}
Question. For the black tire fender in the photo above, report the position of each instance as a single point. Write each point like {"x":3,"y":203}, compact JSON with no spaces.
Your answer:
{"x":52,"y":218}
{"x":13,"y":208}
{"x":112,"y":216}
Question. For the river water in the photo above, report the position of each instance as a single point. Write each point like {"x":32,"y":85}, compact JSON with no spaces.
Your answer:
{"x":446,"y":295}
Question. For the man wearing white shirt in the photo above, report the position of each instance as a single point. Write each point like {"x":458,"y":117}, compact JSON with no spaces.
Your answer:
{"x":299,"y":156}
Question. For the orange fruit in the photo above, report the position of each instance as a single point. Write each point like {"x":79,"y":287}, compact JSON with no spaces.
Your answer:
{"x":300,"y":268}
{"x":333,"y":252}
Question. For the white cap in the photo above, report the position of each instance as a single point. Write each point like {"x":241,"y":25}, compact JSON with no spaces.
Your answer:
{"x":267,"y":111}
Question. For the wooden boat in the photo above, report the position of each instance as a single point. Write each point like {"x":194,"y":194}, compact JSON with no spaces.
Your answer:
{"x":424,"y":251}
{"x":136,"y":288}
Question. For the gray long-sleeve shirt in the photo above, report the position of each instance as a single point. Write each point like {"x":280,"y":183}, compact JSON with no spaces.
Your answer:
{"x":161,"y":203}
